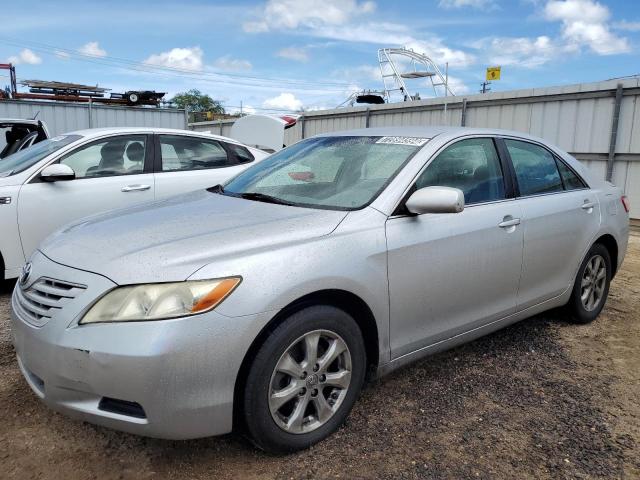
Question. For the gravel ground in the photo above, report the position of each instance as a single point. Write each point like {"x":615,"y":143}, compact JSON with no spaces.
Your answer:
{"x":541,"y":399}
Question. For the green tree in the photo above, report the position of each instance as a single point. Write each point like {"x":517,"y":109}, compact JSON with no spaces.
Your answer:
{"x":196,"y":101}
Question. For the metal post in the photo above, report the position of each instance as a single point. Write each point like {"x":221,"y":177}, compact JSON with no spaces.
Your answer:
{"x":446,"y":90}
{"x":90,"y":113}
{"x":367,"y":117}
{"x":463,"y":118}
{"x":186,"y":118}
{"x":302,"y":122}
{"x":614,"y":132}
{"x":220,"y":121}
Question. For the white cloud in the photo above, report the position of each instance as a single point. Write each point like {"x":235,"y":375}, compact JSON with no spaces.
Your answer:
{"x":466,"y":3}
{"x":284,"y":101}
{"x":189,"y":58}
{"x":291,"y":14}
{"x":62,"y":55}
{"x":246,"y":110}
{"x":229,"y":63}
{"x":26,"y":56}
{"x":628,"y":26}
{"x":458,"y":86}
{"x":584,"y":23}
{"x":92,"y":49}
{"x":361,"y":72}
{"x":522,"y":51}
{"x":297,"y":54}
{"x":347,"y":21}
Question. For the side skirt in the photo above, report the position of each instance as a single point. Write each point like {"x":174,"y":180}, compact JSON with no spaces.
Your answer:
{"x":470,"y":335}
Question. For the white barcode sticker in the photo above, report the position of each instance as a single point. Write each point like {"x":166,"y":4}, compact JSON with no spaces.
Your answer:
{"x":413,"y":141}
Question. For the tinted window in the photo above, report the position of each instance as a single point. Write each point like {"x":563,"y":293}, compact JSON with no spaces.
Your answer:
{"x":341,"y":172}
{"x":243,"y":155}
{"x":535,"y":168}
{"x":121,"y":155}
{"x":191,"y":153}
{"x":472,"y":166}
{"x":570,"y":179}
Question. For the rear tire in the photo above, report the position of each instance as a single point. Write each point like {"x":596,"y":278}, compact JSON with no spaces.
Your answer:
{"x":591,"y":285}
{"x":304,"y":379}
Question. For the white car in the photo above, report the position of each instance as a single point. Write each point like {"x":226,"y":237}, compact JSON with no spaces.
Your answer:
{"x":82,"y":173}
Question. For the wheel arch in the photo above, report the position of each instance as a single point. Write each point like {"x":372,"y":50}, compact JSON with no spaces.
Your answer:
{"x":1,"y":267}
{"x":611,"y":245}
{"x":342,"y":299}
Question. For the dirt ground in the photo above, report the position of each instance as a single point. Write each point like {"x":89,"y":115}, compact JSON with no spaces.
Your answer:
{"x":541,"y":399}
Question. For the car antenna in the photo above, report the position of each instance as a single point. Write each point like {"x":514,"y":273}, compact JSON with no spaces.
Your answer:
{"x":36,"y":115}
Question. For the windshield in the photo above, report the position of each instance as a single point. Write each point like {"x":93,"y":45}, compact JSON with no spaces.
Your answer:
{"x":341,"y":173}
{"x":20,"y":161}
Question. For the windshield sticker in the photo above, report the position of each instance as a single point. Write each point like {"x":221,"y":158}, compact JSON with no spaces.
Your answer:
{"x":413,"y":141}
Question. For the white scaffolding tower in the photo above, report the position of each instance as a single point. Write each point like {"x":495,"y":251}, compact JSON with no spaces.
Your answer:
{"x":393,"y":61}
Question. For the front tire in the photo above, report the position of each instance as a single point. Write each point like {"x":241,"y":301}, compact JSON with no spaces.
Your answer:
{"x":591,"y":286}
{"x":304,"y":379}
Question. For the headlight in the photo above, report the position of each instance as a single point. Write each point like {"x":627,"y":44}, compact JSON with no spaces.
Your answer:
{"x":157,"y":301}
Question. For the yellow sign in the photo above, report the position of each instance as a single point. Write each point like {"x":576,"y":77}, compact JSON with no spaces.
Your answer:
{"x":493,"y":73}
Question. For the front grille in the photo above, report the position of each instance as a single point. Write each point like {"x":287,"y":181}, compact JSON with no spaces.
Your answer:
{"x":40,"y":301}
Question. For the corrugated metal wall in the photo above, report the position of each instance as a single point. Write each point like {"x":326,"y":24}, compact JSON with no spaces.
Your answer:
{"x":577,"y":118}
{"x":62,"y":117}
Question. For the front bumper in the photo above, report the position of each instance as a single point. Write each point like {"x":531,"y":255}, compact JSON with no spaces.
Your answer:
{"x":181,"y":372}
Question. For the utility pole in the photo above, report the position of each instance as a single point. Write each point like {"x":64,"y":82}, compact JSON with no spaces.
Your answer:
{"x":485,"y":87}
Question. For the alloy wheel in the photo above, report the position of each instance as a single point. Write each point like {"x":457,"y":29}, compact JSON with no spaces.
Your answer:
{"x":593,"y":283}
{"x":310,"y":381}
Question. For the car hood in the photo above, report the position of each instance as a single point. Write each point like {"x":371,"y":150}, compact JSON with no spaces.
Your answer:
{"x":169,"y":240}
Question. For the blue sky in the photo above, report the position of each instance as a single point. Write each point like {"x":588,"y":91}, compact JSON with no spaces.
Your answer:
{"x":291,"y":54}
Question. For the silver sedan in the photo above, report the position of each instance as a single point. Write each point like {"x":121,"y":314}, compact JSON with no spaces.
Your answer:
{"x":263,"y":305}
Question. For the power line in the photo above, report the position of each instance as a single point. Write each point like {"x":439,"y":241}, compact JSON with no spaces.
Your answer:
{"x":219,"y":77}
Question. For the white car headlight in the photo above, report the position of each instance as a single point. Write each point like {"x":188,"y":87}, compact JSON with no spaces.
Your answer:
{"x":158,"y":301}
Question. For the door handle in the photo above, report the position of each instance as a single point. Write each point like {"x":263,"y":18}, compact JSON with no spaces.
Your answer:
{"x":135,"y":188}
{"x":588,"y":205}
{"x":509,"y":223}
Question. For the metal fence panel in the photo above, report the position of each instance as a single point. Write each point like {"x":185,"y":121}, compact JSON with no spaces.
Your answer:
{"x":62,"y":117}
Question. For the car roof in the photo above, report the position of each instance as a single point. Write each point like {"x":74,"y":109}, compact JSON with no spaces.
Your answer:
{"x":429,"y":132}
{"x":100,"y":132}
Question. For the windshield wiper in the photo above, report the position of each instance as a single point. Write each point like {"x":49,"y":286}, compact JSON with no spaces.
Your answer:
{"x":263,"y":197}
{"x":216,"y":189}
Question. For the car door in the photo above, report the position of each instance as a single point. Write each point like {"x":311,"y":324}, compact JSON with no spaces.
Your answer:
{"x":450,"y":273}
{"x":111,"y":172}
{"x":560,"y":217}
{"x":185,"y":163}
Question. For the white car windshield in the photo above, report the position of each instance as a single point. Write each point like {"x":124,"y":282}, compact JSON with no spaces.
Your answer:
{"x":339,"y":173}
{"x":20,"y":161}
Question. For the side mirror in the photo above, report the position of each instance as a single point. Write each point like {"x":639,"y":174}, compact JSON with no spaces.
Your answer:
{"x":436,"y":200}
{"x":57,"y":172}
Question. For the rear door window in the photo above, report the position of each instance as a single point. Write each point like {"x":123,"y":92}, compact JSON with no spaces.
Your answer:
{"x":180,"y":153}
{"x":569,"y":178}
{"x":535,"y":167}
{"x":242,"y":154}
